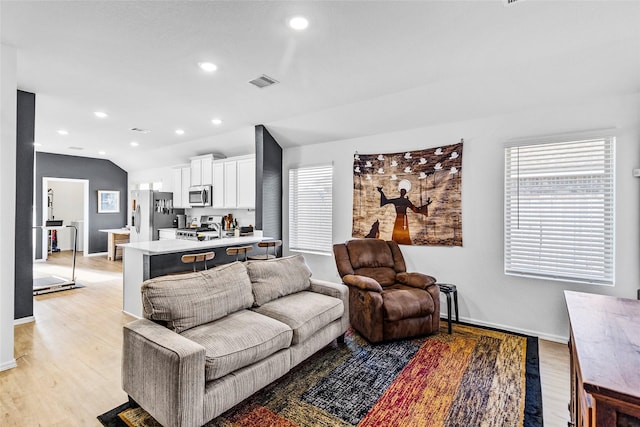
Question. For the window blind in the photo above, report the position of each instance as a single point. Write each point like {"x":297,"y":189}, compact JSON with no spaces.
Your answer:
{"x":310,"y":209}
{"x":559,"y":211}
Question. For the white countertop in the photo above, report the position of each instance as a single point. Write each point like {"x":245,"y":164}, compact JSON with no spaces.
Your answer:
{"x":157,"y":247}
{"x":116,"y":230}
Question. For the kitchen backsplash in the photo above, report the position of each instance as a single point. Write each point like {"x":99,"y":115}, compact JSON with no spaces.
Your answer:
{"x":245,"y":217}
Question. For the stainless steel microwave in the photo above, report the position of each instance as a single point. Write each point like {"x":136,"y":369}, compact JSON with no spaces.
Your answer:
{"x":200,"y":195}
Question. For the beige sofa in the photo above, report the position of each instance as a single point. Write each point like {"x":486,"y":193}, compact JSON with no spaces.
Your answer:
{"x":211,"y":339}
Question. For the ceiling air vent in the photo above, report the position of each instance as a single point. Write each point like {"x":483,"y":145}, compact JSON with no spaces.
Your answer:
{"x":508,"y":2}
{"x":263,"y":81}
{"x":140,"y":130}
{"x":76,"y":148}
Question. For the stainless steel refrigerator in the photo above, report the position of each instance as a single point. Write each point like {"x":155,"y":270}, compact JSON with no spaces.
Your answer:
{"x":150,"y":211}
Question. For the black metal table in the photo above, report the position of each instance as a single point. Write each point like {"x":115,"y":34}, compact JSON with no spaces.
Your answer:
{"x":448,"y":289}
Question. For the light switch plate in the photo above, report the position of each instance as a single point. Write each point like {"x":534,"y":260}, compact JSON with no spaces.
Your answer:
{"x":636,"y":173}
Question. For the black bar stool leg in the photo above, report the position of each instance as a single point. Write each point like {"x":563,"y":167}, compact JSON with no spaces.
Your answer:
{"x":455,"y":303}
{"x":448,"y":294}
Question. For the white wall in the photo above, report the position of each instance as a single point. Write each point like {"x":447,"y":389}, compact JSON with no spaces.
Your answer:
{"x":150,"y":176}
{"x":8,"y":108}
{"x":486,"y":295}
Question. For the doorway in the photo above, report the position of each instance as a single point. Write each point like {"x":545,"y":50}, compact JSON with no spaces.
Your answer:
{"x":66,"y":200}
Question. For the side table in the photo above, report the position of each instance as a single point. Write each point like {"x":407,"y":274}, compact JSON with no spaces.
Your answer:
{"x":448,"y":289}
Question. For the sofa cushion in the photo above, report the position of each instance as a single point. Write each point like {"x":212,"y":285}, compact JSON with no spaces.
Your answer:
{"x":278,"y":277}
{"x":305,"y":312}
{"x":403,"y":302}
{"x":188,"y":300}
{"x":238,"y":340}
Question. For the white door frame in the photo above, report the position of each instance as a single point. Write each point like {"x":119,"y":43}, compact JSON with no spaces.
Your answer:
{"x":45,"y":186}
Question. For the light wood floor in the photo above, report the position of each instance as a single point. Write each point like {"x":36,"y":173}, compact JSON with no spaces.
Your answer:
{"x":69,"y":358}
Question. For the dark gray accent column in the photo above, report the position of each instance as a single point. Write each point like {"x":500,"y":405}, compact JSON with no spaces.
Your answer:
{"x":25,"y":136}
{"x":268,"y":184}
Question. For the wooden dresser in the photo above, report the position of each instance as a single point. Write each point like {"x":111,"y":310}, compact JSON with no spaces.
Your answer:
{"x":605,"y":360}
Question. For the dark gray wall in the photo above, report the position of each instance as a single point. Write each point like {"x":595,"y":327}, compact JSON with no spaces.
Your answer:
{"x":268,"y":184}
{"x":25,"y":132}
{"x":102,"y":175}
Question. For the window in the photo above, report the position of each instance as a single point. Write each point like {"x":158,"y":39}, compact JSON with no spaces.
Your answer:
{"x":310,"y":209}
{"x":559,"y":210}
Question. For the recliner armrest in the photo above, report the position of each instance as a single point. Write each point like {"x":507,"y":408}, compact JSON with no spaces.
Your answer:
{"x":362,"y":282}
{"x":415,"y":280}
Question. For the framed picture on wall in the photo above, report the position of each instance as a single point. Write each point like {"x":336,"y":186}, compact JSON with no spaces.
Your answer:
{"x":108,"y":201}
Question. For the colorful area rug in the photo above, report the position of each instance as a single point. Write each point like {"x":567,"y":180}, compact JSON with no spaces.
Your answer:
{"x":474,"y":377}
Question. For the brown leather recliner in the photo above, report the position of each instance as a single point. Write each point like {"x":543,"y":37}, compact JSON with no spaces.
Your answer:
{"x":386,"y":302}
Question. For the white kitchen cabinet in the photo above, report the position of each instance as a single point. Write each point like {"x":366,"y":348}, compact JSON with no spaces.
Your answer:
{"x":246,"y":183}
{"x":176,"y":180}
{"x":185,"y":184}
{"x":230,"y":184}
{"x":218,"y":185}
{"x":181,"y":178}
{"x":202,"y":170}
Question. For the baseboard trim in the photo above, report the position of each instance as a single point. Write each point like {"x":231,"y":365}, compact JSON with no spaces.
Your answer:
{"x":26,"y":319}
{"x":8,"y":365}
{"x":97,"y":254}
{"x":540,"y":335}
{"x":132,"y":315}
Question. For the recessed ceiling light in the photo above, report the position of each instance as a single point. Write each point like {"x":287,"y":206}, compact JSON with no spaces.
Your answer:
{"x":63,"y":132}
{"x":37,"y":144}
{"x":180,"y":131}
{"x":133,"y":144}
{"x":298,"y":23}
{"x":102,"y":153}
{"x":216,"y":122}
{"x":100,"y":114}
{"x":209,"y":67}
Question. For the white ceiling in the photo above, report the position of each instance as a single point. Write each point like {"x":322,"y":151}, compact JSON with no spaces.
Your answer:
{"x":361,"y":68}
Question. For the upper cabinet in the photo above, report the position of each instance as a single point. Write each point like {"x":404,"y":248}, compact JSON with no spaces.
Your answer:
{"x":181,"y":177}
{"x":234,"y":183}
{"x":233,"y":180}
{"x":246,"y":185}
{"x":218,"y":188}
{"x":202,"y":170}
{"x":230,"y":183}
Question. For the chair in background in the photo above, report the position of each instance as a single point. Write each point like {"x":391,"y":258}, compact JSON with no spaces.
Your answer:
{"x":385,"y":302}
{"x":196,"y":258}
{"x":239,"y":251}
{"x":267,"y":244}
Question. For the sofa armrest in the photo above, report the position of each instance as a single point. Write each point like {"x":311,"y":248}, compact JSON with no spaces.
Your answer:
{"x":362,"y":282}
{"x":164,"y":373}
{"x":416,"y":280}
{"x":336,"y":290}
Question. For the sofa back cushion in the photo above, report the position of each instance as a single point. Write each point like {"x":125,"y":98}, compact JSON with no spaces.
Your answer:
{"x":188,"y":300}
{"x":275,"y":278}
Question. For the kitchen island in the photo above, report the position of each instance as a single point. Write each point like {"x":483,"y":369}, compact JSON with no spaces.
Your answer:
{"x":146,"y":260}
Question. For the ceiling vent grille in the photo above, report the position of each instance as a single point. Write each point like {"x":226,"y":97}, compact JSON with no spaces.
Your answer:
{"x":140,"y":130}
{"x":263,"y":81}
{"x":508,"y":2}
{"x":76,"y":148}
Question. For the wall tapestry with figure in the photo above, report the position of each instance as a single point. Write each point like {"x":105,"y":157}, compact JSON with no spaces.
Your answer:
{"x":411,"y":197}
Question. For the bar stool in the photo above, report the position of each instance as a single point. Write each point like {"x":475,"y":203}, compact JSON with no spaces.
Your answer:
{"x":267,"y":244}
{"x":195,"y":258}
{"x":239,"y":250}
